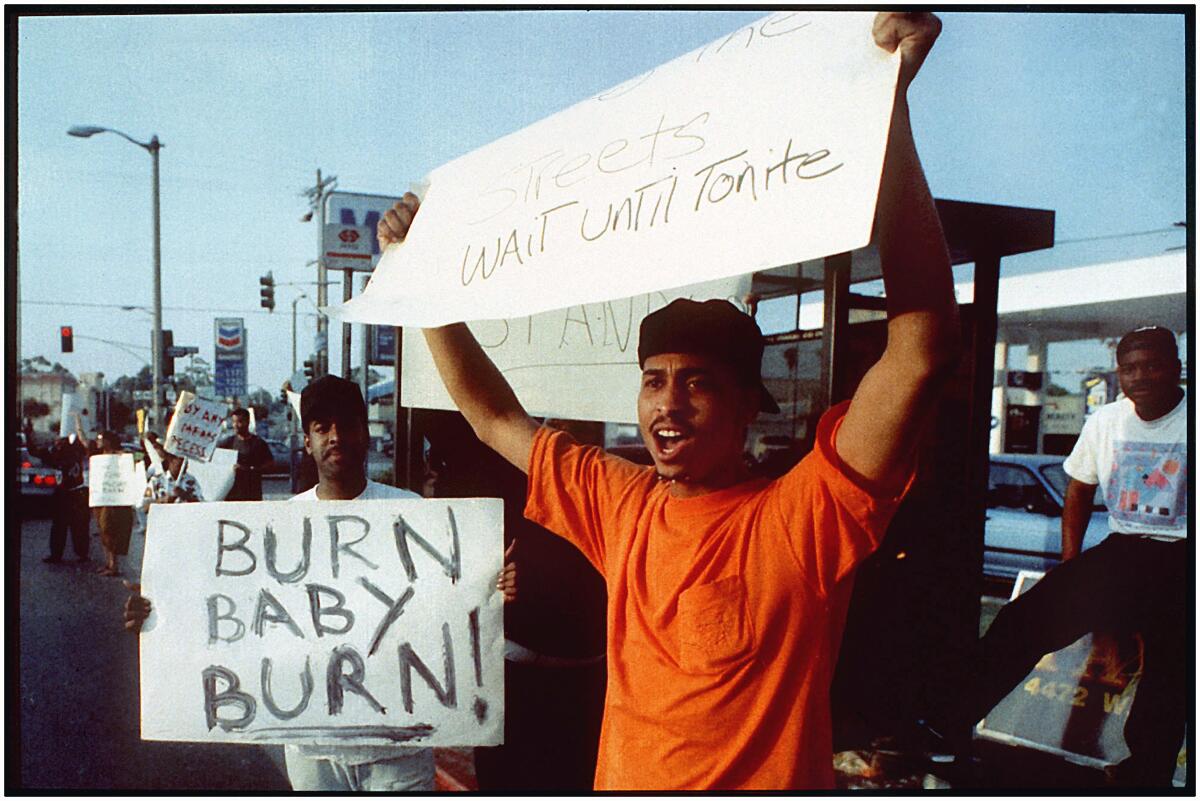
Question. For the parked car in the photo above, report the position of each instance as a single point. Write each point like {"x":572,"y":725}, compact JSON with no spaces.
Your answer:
{"x":1023,"y":530}
{"x":280,"y":461}
{"x":36,"y":480}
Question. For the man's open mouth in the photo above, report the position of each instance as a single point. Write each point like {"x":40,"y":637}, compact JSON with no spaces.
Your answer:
{"x":670,"y":441}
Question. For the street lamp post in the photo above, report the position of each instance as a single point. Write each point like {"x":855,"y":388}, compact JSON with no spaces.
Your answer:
{"x":152,"y":147}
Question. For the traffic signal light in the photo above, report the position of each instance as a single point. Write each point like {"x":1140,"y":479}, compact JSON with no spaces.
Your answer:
{"x":68,"y":338}
{"x":267,"y":290}
{"x":308,"y":368}
{"x":168,"y":362}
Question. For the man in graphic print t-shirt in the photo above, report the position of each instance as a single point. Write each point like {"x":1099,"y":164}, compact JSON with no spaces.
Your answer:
{"x":1136,"y":580}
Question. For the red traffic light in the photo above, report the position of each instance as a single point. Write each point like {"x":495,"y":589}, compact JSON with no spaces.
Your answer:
{"x":68,"y":338}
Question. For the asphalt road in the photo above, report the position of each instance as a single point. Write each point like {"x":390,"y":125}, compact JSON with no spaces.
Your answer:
{"x":78,"y":683}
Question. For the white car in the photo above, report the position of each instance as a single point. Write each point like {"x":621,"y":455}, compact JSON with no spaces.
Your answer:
{"x":1023,"y":530}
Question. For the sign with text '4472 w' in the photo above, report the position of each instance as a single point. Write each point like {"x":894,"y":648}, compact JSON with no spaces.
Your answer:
{"x":324,"y":622}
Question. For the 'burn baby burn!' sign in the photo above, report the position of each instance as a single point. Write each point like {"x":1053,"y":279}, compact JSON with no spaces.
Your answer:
{"x":325,"y":622}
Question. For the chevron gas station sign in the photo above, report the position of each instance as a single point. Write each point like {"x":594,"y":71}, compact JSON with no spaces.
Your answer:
{"x":229,"y":356}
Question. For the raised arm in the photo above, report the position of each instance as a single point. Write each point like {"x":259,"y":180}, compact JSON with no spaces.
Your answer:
{"x":898,"y":394}
{"x":473,"y":381}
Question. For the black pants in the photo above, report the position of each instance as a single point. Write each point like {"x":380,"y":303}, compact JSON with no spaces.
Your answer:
{"x":551,"y":730}
{"x":1124,"y":585}
{"x":70,"y":512}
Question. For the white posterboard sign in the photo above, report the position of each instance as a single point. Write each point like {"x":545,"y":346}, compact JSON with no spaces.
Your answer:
{"x":113,"y":481}
{"x":152,"y":452}
{"x":760,"y":149}
{"x":72,"y":405}
{"x":216,"y":476}
{"x":194,"y":428}
{"x":579,"y":363}
{"x":294,"y":401}
{"x":324,"y":622}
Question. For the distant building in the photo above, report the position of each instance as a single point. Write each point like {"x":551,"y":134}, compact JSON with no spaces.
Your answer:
{"x":41,"y":383}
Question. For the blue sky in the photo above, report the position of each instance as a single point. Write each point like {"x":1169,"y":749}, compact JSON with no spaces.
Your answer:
{"x":1080,"y":113}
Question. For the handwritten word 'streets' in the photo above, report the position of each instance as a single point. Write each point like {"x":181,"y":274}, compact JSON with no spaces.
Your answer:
{"x":551,"y":173}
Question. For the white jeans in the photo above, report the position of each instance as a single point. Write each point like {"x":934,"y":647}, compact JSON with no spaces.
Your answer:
{"x":412,"y":772}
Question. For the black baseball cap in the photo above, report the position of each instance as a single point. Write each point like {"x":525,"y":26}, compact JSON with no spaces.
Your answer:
{"x":713,"y":328}
{"x":1150,"y":337}
{"x":331,"y":398}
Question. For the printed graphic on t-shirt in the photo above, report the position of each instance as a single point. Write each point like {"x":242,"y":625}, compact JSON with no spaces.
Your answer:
{"x":1148,"y":483}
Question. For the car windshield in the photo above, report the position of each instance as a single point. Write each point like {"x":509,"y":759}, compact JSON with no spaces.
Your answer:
{"x":1059,"y":479}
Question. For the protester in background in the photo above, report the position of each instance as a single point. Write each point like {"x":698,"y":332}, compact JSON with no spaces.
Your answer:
{"x":171,"y":484}
{"x":1137,"y":580}
{"x":253,"y":456}
{"x":726,"y":595}
{"x":115,"y":522}
{"x":70,"y":509}
{"x":334,"y":419}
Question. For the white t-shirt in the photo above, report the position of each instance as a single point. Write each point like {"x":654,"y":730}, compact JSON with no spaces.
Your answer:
{"x":1141,"y":466}
{"x":374,"y":491}
{"x":360,"y":754}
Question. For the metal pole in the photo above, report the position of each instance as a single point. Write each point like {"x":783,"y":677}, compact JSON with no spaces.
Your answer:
{"x":322,"y":355}
{"x":294,"y":302}
{"x":837,"y":321}
{"x":366,"y":346}
{"x":399,"y":443}
{"x":347,"y":293}
{"x":157,"y":355}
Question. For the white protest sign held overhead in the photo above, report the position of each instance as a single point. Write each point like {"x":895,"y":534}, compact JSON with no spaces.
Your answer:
{"x":194,"y":428}
{"x":113,"y":481}
{"x":324,"y":622}
{"x":762,"y":148}
{"x":578,"y":363}
{"x":72,"y":405}
{"x":216,"y":476}
{"x":152,"y":452}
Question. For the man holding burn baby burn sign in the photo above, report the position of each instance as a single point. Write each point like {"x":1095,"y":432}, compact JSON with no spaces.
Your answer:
{"x":334,"y":419}
{"x":727,"y":594}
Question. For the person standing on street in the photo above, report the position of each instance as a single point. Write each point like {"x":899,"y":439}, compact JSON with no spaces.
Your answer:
{"x":727,"y":593}
{"x":334,"y":418}
{"x":253,"y":456}
{"x":70,"y":501}
{"x":115,"y":522}
{"x":1136,"y":581}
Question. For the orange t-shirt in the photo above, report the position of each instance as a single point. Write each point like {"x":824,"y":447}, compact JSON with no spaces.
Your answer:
{"x":725,"y":611}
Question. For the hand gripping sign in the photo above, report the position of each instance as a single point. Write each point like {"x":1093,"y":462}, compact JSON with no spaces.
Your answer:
{"x":760,"y":149}
{"x":324,"y":622}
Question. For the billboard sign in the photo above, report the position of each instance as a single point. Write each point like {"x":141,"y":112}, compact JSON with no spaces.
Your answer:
{"x":229,"y":356}
{"x":382,"y":343}
{"x":348,"y":247}
{"x":355,"y":210}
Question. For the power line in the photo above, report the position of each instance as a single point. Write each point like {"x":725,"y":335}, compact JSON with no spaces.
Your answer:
{"x":127,"y":307}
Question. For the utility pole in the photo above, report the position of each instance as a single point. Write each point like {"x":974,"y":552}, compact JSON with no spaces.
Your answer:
{"x":316,"y":196}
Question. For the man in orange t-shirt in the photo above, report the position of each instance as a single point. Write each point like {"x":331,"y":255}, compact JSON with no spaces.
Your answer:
{"x":727,"y":594}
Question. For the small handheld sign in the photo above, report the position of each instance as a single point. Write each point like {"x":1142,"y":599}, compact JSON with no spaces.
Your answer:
{"x":194,"y":428}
